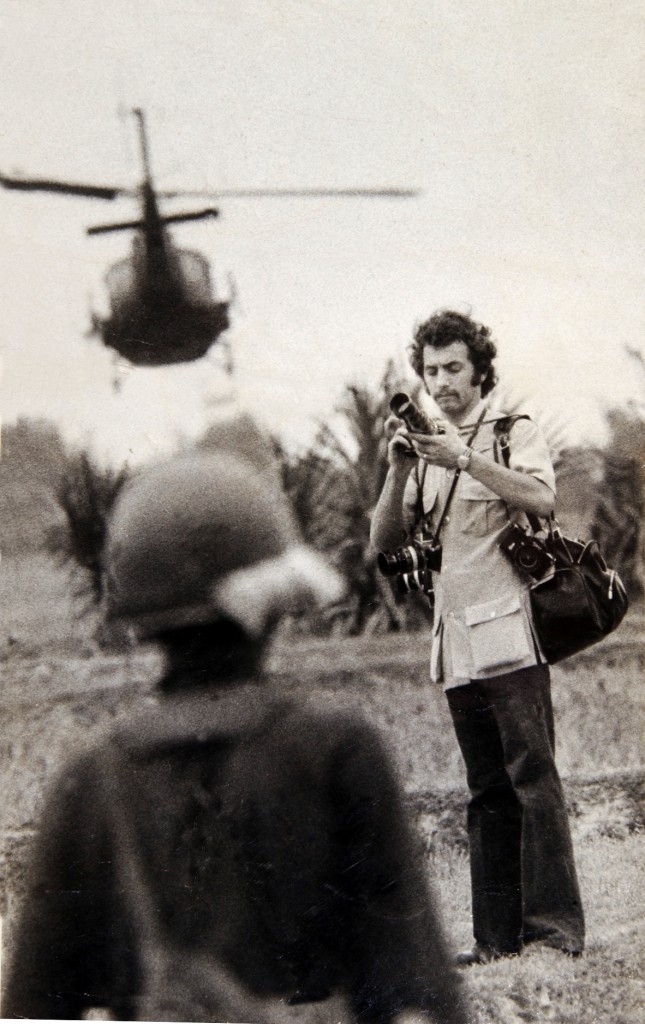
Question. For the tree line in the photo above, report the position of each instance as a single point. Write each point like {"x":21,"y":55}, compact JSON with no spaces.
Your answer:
{"x":333,"y":486}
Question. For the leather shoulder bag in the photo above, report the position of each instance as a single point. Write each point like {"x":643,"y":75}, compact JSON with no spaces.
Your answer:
{"x":580,"y":600}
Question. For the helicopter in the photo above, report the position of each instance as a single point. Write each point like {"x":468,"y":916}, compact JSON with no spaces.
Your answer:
{"x":162,"y":305}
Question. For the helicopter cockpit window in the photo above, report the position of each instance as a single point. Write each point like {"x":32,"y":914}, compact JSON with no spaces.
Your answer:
{"x":195,"y":275}
{"x":121,"y":282}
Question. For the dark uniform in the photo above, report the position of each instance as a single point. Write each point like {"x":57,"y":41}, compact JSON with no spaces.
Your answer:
{"x":270,"y":838}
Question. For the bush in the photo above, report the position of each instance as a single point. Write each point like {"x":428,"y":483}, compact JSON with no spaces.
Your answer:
{"x":333,"y":489}
{"x":618,"y":515}
{"x":85,"y":494}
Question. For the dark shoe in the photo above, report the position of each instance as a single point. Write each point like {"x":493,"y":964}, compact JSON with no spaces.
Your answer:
{"x":480,"y":954}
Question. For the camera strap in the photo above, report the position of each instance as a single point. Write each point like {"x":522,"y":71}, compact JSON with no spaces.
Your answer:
{"x":455,"y":478}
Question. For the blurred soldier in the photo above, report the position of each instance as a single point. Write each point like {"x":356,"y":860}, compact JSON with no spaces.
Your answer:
{"x":485,"y":651}
{"x":228,"y":854}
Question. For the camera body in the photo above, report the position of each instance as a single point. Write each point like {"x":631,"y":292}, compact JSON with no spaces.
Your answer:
{"x":526,"y":552}
{"x":412,"y":564}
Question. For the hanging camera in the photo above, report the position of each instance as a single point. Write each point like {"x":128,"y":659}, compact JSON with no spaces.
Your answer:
{"x":527,"y":552}
{"x":412,"y":565}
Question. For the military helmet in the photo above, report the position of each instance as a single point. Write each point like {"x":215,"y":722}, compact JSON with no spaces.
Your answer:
{"x":205,"y":535}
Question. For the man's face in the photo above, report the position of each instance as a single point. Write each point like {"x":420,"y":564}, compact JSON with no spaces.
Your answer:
{"x":451,"y":380}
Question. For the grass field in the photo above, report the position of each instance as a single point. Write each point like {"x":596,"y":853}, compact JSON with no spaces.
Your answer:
{"x":58,"y":690}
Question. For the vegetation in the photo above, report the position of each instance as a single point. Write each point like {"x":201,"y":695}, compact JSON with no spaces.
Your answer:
{"x":618,"y":517}
{"x":85,"y":494}
{"x":33,"y":459}
{"x":53,"y":500}
{"x":335,"y":485}
{"x":333,"y":488}
{"x":56,"y":500}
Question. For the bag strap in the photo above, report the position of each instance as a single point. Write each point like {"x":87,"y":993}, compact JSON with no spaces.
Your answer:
{"x":502,"y":452}
{"x":502,"y":436}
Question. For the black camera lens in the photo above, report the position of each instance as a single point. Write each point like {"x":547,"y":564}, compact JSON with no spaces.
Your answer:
{"x":407,"y":559}
{"x":525,"y":552}
{"x":414,"y":557}
{"x":388,"y":563}
{"x":413,"y":417}
{"x":528,"y":558}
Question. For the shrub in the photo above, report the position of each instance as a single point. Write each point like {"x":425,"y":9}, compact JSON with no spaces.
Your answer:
{"x":618,"y":514}
{"x":85,"y":494}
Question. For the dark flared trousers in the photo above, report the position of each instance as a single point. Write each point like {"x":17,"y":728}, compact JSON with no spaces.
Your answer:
{"x":524,"y":885}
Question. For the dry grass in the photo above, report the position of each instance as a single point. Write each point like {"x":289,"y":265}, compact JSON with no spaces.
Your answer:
{"x":605,"y":985}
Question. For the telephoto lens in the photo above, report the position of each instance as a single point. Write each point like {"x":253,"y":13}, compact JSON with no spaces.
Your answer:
{"x":416,"y":420}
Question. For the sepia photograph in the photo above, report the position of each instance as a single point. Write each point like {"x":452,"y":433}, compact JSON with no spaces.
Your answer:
{"x":322,"y":406}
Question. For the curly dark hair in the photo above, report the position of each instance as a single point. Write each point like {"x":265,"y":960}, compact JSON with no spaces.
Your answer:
{"x":446,"y":326}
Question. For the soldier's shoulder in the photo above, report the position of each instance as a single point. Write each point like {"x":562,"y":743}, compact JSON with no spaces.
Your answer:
{"x":195,"y":717}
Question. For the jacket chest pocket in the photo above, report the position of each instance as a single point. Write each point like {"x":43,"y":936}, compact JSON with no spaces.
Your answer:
{"x":479,"y":507}
{"x":498,"y":633}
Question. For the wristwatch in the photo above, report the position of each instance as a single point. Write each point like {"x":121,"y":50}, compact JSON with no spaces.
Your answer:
{"x":463,"y":461}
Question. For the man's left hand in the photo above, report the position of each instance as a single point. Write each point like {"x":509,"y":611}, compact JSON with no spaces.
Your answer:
{"x":439,"y":449}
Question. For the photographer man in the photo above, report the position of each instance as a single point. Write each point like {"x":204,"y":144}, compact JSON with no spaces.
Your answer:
{"x":229,"y":853}
{"x":484,"y":650}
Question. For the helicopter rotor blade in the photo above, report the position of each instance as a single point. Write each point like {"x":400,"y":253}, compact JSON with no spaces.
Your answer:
{"x":172,"y":218}
{"x":175,"y":218}
{"x":288,"y":193}
{"x":64,"y":187}
{"x":112,"y":192}
{"x":126,"y":225}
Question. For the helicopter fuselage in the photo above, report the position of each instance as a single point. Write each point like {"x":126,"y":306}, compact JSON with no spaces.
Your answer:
{"x":161,"y":302}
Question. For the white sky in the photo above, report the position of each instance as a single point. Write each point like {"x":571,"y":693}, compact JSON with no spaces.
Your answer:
{"x":521,"y":120}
